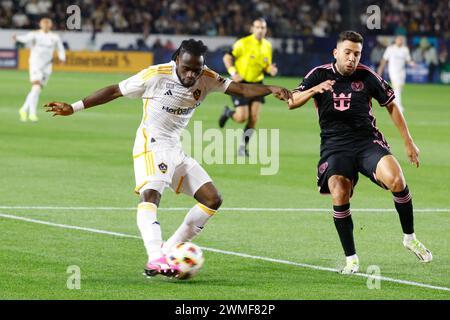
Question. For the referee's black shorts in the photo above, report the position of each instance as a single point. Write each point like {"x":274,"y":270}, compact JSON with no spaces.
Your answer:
{"x":363,"y":158}
{"x":241,"y":101}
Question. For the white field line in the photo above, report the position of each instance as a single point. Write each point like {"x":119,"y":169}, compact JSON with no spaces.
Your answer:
{"x":238,"y":254}
{"x":221,"y":209}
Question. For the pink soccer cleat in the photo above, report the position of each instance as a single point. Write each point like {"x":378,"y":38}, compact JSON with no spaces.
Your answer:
{"x":161,"y":266}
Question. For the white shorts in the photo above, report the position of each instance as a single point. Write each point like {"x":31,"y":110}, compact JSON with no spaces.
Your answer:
{"x":397,"y":78}
{"x":41,"y":74}
{"x":168,"y":166}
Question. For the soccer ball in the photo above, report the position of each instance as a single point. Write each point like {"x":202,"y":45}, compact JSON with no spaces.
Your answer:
{"x":188,"y":257}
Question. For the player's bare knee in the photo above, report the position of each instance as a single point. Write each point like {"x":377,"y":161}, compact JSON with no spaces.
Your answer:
{"x":396,"y":183}
{"x":340,"y":189}
{"x":213,"y":201}
{"x":150,"y":195}
{"x":239,"y":118}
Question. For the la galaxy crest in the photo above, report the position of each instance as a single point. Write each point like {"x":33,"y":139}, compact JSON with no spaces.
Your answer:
{"x":162,"y":167}
{"x":197,"y":93}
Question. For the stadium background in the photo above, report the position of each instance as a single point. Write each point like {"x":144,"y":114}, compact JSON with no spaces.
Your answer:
{"x":77,"y":171}
{"x":302,"y":32}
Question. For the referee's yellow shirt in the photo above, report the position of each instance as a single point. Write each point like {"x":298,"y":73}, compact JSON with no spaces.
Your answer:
{"x":252,"y":58}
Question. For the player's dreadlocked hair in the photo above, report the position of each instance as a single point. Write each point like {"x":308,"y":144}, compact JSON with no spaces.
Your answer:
{"x":351,"y":36}
{"x":196,"y":48}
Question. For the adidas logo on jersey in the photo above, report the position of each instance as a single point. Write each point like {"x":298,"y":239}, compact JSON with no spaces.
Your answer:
{"x":168,"y":93}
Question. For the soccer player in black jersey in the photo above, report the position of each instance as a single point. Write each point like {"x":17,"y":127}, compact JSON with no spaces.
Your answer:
{"x":351,"y":142}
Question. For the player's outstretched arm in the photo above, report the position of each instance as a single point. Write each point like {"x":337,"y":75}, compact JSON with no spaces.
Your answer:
{"x":302,"y":97}
{"x":397,"y":118}
{"x":97,"y":98}
{"x":251,"y":90}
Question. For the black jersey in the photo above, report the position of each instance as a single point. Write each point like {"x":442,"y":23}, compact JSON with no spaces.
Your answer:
{"x":345,"y":115}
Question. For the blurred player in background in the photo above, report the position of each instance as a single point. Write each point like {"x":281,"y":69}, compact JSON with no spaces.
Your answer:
{"x":249,"y":59}
{"x":397,"y":55}
{"x":352,"y":144}
{"x":170,"y":92}
{"x":42,"y":44}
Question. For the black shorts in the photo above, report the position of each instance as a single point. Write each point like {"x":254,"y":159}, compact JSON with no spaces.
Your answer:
{"x":363,"y":158}
{"x":241,"y":101}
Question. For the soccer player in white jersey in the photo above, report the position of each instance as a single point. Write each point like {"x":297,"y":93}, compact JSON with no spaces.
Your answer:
{"x":398,"y":56}
{"x":42,"y":44}
{"x":170,"y":93}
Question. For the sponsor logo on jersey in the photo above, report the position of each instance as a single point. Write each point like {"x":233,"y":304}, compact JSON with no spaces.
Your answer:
{"x":170,"y":86}
{"x":178,"y":111}
{"x":162,"y":167}
{"x":168,"y":93}
{"x":342,"y":101}
{"x":197,"y":94}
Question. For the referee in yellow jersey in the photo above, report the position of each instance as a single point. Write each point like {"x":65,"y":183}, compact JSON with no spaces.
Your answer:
{"x":249,"y":60}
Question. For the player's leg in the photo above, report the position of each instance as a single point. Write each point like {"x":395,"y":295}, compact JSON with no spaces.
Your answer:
{"x":197,"y":183}
{"x":389,"y":173}
{"x":150,"y":186}
{"x":255,"y":110}
{"x":337,"y":175}
{"x":341,"y":189}
{"x":34,"y":100}
{"x":239,"y":115}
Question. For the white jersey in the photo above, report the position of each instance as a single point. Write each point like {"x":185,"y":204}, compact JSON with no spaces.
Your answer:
{"x":167,"y":104}
{"x":397,"y":58}
{"x":42,"y":45}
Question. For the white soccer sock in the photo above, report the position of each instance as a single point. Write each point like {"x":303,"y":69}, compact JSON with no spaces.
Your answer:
{"x":34,"y":98}
{"x":352,"y":258}
{"x":192,"y":225}
{"x":150,"y":229}
{"x":409,"y":237}
{"x":26,"y":104}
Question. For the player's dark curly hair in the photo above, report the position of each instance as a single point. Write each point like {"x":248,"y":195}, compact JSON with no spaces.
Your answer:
{"x":194,"y":47}
{"x":351,"y":36}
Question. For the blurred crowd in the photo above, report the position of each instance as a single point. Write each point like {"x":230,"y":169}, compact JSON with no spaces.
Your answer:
{"x":286,"y":18}
{"x":198,"y":17}
{"x":413,"y":17}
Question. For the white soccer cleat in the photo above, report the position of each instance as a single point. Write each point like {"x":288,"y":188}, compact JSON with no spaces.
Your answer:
{"x":352,"y":266}
{"x":418,"y":249}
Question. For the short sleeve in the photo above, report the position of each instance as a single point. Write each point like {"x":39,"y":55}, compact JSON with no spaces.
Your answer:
{"x":215,"y":82}
{"x":133,"y":87}
{"x":312,"y":79}
{"x":238,"y":48}
{"x":380,"y":90}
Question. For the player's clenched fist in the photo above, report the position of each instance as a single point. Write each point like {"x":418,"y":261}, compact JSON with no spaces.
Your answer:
{"x":59,"y":108}
{"x":324,"y":86}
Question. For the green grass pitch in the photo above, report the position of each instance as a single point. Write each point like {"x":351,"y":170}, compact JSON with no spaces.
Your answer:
{"x":85,"y":161}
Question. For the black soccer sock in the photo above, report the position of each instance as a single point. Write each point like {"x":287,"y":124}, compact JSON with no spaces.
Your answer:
{"x":344,"y":226}
{"x":230,"y":113}
{"x":248,"y":132}
{"x":403,"y":204}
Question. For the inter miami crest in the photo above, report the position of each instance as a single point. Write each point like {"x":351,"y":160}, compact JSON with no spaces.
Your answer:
{"x":197,"y":94}
{"x":163,"y":167}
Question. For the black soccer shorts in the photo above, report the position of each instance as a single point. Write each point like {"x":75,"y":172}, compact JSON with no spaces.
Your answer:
{"x":363,"y":158}
{"x":241,"y":101}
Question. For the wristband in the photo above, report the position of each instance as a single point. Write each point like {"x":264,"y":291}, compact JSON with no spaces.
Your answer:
{"x":78,"y":106}
{"x":231,"y":71}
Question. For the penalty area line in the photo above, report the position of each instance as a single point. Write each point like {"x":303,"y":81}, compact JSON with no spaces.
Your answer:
{"x":231,"y":253}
